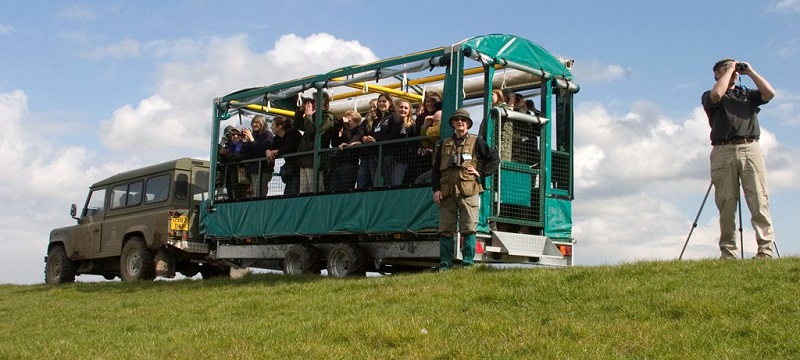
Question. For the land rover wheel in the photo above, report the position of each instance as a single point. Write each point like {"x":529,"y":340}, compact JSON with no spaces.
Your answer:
{"x":59,"y":268}
{"x":347,"y":259}
{"x":137,"y":261}
{"x":302,"y":259}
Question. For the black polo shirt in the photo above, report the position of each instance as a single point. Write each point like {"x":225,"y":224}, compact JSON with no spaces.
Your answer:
{"x":735,"y":116}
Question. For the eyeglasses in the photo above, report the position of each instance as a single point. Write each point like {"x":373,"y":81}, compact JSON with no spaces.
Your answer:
{"x":460,"y":119}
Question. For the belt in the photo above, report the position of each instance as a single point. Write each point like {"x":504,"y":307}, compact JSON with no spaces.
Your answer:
{"x":734,"y":141}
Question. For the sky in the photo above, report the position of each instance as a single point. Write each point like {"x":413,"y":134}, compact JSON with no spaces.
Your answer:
{"x":89,"y":89}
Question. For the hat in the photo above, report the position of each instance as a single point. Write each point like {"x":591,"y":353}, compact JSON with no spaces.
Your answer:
{"x":461,"y":113}
{"x":229,"y":129}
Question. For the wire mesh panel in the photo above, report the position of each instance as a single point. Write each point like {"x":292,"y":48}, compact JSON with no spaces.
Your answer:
{"x":519,"y":195}
{"x":561,"y":171}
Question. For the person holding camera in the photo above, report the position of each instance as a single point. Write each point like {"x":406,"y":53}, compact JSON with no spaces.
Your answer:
{"x":304,"y":120}
{"x":736,"y":156}
{"x":231,"y":152}
{"x":459,"y":167}
{"x":256,"y":142}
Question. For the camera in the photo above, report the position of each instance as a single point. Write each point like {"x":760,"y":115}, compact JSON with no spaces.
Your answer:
{"x":741,"y":66}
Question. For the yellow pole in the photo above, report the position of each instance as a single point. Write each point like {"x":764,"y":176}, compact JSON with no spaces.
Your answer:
{"x":376,"y":88}
{"x":272,"y":110}
{"x":424,"y":80}
{"x":275,"y":111}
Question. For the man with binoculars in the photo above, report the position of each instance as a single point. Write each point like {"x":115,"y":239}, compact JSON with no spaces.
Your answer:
{"x":736,"y":156}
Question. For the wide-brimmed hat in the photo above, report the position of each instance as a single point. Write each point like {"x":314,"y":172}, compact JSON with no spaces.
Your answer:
{"x":462,"y":113}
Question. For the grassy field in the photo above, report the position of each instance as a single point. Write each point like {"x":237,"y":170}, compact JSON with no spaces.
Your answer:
{"x":708,"y":309}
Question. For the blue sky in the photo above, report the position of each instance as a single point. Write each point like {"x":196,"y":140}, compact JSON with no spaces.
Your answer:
{"x":88,"y":89}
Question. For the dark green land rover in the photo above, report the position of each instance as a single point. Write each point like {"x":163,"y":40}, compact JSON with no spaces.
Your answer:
{"x":137,"y":225}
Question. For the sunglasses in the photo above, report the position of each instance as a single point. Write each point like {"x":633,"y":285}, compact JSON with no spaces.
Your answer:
{"x":460,"y":119}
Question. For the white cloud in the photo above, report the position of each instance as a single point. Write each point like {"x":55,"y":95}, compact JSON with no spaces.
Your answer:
{"x":77,"y":12}
{"x":40,"y":178}
{"x":785,"y":107}
{"x":593,"y":72}
{"x":784,"y":6}
{"x":122,"y":49}
{"x":175,"y":120}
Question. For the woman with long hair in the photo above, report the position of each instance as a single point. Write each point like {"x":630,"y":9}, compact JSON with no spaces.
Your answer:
{"x":389,"y":127}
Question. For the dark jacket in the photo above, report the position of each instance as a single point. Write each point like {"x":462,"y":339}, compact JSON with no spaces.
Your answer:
{"x":388,"y":128}
{"x":288,"y":144}
{"x":309,"y":128}
{"x":257,"y":149}
{"x":347,"y":136}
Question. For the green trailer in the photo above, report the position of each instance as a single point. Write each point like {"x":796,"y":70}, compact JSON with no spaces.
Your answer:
{"x":390,"y":226}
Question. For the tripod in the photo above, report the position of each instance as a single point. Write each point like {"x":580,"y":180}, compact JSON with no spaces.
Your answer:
{"x":741,"y":236}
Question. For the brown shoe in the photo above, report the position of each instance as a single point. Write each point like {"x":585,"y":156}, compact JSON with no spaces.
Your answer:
{"x":762,"y":256}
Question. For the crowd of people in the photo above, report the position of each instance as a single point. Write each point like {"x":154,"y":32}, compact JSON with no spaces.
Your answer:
{"x":352,"y":160}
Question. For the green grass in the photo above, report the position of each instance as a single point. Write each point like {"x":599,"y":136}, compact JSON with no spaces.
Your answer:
{"x":708,"y":309}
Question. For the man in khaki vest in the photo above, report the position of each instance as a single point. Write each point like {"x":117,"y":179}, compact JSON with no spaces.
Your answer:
{"x":459,"y":167}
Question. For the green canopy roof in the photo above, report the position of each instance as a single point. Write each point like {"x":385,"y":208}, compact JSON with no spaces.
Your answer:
{"x":516,"y":49}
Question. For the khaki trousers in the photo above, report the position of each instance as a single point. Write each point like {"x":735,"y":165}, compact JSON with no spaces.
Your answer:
{"x":731,"y":164}
{"x":459,"y":211}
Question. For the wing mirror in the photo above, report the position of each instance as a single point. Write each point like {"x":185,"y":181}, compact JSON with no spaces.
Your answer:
{"x":73,"y":211}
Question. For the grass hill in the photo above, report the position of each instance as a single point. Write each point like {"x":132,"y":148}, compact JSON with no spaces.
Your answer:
{"x":708,"y":309}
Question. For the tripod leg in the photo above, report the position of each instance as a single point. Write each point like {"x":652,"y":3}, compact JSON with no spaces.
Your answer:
{"x":694,"y":224}
{"x":741,"y":236}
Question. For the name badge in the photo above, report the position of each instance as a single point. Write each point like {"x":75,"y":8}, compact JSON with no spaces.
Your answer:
{"x":466,"y":157}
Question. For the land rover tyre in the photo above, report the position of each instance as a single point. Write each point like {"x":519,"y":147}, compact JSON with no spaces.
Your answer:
{"x":347,"y":259}
{"x":302,"y":259}
{"x":137,"y":261}
{"x":59,"y":268}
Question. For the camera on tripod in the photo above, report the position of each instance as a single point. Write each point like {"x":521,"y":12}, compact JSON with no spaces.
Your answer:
{"x":741,"y":67}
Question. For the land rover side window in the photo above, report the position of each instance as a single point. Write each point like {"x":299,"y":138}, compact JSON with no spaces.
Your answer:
{"x":95,"y":205}
{"x":126,"y":194}
{"x":156,"y":189}
{"x":181,"y":186}
{"x":200,"y":186}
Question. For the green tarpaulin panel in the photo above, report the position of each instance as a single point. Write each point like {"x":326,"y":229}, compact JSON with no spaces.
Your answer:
{"x":558,"y":218}
{"x":516,"y":188}
{"x":386,"y":211}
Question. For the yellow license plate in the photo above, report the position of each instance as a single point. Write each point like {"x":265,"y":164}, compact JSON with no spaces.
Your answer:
{"x":179,"y":223}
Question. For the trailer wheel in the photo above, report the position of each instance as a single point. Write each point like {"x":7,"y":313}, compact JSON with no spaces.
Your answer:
{"x":137,"y":261}
{"x":347,"y":259}
{"x":302,"y":259}
{"x":210,"y":271}
{"x":187,"y":269}
{"x":59,"y":268}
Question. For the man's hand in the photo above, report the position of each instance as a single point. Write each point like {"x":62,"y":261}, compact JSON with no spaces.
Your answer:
{"x":471,"y":169}
{"x":437,"y":197}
